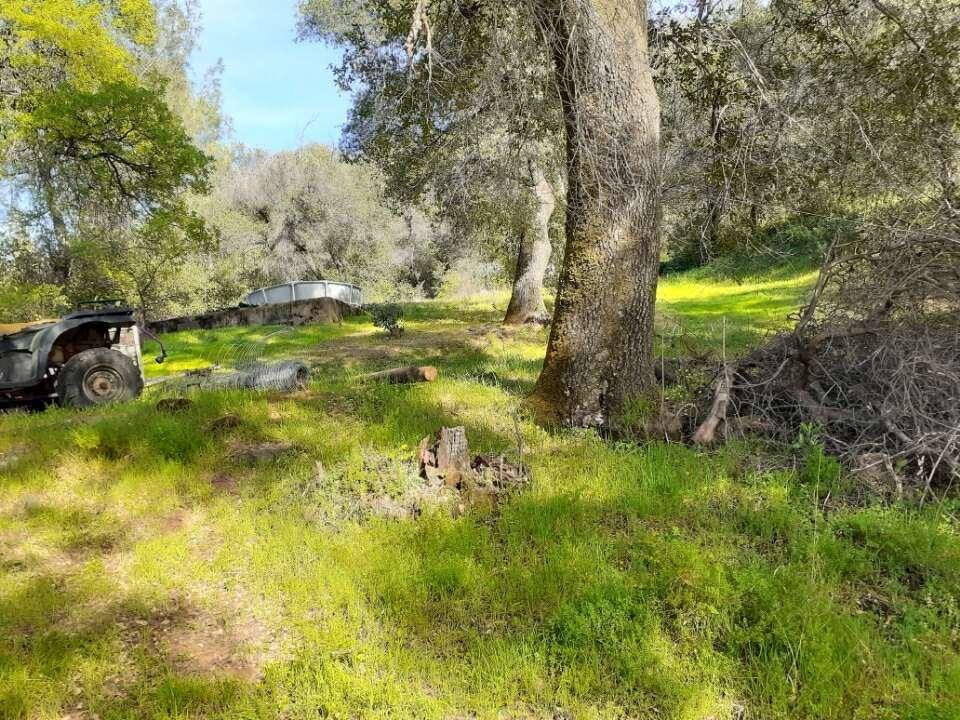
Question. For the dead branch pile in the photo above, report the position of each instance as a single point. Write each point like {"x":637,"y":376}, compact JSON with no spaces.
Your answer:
{"x":874,"y":361}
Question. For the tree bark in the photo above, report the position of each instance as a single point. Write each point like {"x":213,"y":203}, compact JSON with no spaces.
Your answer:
{"x":57,"y":253}
{"x":600,"y":356}
{"x":526,"y":301}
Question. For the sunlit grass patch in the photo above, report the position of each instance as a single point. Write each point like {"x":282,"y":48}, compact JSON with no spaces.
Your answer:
{"x":745,"y":312}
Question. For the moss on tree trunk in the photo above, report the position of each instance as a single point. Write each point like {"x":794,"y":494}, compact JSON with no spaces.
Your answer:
{"x":600,"y":354}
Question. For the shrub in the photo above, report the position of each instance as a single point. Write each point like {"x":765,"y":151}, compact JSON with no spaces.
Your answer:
{"x":817,"y":466}
{"x":387,"y":317}
{"x":471,"y":276}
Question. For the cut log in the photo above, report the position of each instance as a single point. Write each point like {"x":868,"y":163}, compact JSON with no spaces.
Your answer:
{"x":706,"y":434}
{"x":404,"y":376}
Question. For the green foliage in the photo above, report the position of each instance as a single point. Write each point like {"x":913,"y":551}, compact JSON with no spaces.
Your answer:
{"x":303,"y":214}
{"x":817,"y":467}
{"x":782,"y":247}
{"x":115,"y":166}
{"x":458,"y":138}
{"x":387,"y":317}
{"x":81,"y":44}
{"x":99,"y":168}
{"x":32,"y":302}
{"x":802,"y":109}
{"x":471,"y":276}
{"x":120,"y":139}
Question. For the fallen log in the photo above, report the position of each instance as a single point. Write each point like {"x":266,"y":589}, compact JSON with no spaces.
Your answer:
{"x":406,"y":375}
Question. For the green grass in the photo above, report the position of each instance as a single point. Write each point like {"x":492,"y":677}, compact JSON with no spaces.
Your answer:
{"x":703,"y":310}
{"x":147,"y":573}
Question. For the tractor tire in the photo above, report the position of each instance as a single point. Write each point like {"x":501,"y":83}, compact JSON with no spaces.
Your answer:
{"x":98,"y":377}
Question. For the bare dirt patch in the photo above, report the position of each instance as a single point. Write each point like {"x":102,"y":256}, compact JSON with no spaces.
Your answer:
{"x":180,"y":519}
{"x":354,"y":352}
{"x":205,"y":645}
{"x":225,"y":483}
{"x":226,"y":642}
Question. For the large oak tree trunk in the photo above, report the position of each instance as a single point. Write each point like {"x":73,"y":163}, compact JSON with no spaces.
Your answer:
{"x":526,"y":302}
{"x":600,"y":354}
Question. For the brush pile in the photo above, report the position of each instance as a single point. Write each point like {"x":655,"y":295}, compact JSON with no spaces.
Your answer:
{"x":873,"y":363}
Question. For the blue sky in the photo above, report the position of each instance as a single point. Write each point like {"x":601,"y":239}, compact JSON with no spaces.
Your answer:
{"x":279,"y":93}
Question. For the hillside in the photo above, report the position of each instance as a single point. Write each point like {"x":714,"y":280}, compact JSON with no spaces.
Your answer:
{"x":221,"y":560}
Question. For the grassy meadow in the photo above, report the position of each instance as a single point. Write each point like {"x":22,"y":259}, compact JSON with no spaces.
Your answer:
{"x":150,"y":570}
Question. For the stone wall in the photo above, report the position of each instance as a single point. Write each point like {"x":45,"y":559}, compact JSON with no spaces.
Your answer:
{"x":321,"y":311}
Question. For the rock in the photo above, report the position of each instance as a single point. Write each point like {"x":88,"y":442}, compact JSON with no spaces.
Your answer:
{"x":224,"y":482}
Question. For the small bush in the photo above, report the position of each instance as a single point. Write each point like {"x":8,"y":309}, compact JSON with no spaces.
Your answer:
{"x":780,"y":247}
{"x":817,"y":466}
{"x":387,"y":317}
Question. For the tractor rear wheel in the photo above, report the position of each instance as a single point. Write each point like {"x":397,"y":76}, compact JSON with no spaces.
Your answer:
{"x":98,"y":377}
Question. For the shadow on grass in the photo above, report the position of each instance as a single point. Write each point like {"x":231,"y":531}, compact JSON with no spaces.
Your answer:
{"x":55,"y":624}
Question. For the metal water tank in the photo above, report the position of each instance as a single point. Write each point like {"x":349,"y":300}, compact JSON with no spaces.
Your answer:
{"x":305,"y":290}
